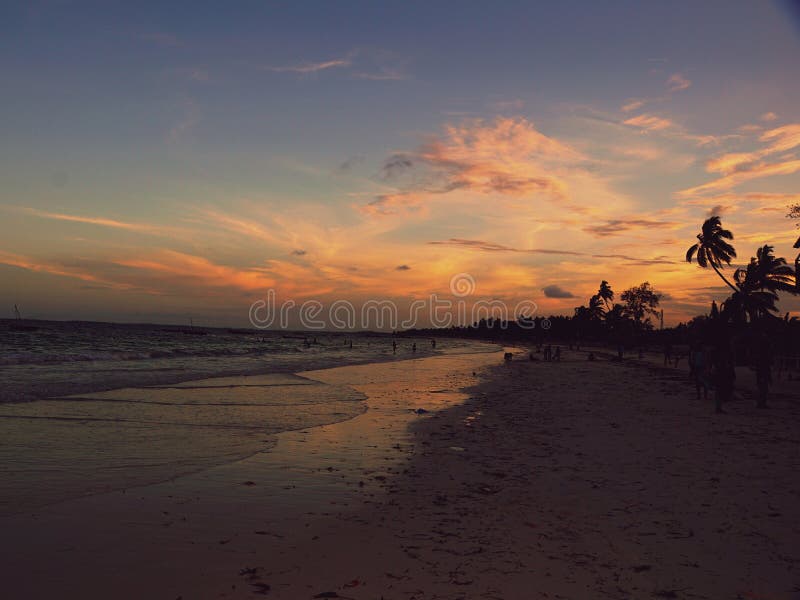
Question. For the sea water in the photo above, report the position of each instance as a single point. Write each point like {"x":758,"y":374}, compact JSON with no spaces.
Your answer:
{"x":92,"y":407}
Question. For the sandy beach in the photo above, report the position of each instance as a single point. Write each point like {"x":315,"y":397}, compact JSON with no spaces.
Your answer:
{"x":575,"y":479}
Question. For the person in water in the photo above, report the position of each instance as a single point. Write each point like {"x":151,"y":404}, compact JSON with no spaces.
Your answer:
{"x":414,"y":347}
{"x":394,"y":346}
{"x":433,"y":344}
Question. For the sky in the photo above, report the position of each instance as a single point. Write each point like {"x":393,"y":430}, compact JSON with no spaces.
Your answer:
{"x":160,"y":162}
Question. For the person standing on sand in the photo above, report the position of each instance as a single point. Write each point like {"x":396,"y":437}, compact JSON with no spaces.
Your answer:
{"x":698,"y":369}
{"x":724,"y":374}
{"x":763,"y":364}
{"x":667,"y":354}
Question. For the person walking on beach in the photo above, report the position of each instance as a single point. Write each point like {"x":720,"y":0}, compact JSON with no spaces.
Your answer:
{"x":667,"y":354}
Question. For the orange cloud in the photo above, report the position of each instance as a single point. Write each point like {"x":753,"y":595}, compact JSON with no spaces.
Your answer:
{"x":678,"y":82}
{"x":649,"y":122}
{"x":169,"y":266}
{"x":781,"y":139}
{"x":507,"y":156}
{"x":54,"y":268}
{"x":632,"y":105}
{"x":754,"y":171}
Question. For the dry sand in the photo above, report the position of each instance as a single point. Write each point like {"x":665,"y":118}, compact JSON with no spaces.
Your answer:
{"x":568,"y":480}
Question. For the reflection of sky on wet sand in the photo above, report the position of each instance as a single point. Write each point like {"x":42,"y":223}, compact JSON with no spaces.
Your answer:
{"x":129,"y":437}
{"x":311,"y":467}
{"x":90,"y":443}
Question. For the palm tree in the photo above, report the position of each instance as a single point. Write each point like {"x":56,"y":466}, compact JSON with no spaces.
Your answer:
{"x":605,"y":293}
{"x":595,"y":311}
{"x":766,"y":272}
{"x":712,"y":248}
{"x":749,"y":302}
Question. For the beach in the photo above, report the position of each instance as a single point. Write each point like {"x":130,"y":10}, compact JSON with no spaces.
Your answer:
{"x":464,"y":478}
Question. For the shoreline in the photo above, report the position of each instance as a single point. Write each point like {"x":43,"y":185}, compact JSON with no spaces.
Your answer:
{"x":57,"y":421}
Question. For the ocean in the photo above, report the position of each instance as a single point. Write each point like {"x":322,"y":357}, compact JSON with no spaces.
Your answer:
{"x":92,"y":407}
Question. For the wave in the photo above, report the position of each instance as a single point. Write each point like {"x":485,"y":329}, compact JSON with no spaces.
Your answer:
{"x":25,"y":358}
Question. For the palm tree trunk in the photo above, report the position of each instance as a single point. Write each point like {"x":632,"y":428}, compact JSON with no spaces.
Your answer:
{"x":730,"y":285}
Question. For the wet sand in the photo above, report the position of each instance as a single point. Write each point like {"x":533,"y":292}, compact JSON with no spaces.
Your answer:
{"x":569,"y":480}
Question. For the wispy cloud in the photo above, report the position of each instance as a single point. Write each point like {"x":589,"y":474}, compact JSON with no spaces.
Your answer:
{"x":617,"y":226}
{"x":51,"y":267}
{"x":492,"y":247}
{"x":738,"y":177}
{"x":649,"y":122}
{"x":632,"y":105}
{"x":311,"y":67}
{"x":99,"y":221}
{"x":174,"y":268}
{"x":739,"y":167}
{"x":381,"y":74}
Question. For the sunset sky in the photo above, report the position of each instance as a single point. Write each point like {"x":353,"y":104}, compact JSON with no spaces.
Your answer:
{"x":163,"y":162}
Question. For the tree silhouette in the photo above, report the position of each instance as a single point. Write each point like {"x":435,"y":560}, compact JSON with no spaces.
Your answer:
{"x":766,"y":272}
{"x":640,"y":303}
{"x":712,"y":248}
{"x":605,"y":293}
{"x":595,"y":310}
